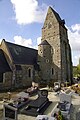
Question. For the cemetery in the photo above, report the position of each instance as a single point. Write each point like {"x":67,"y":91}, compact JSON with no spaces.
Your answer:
{"x":45,"y":104}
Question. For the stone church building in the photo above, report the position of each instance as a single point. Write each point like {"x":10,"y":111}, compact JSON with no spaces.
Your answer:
{"x":20,"y":65}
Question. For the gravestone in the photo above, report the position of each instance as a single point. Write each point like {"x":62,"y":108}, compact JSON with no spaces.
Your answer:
{"x":9,"y":112}
{"x":78,"y":115}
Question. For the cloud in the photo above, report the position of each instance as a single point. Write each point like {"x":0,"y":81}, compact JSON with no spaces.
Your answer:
{"x":26,"y":42}
{"x":28,"y":11}
{"x":38,"y":40}
{"x":76,"y":56}
{"x":76,"y":27}
{"x":22,"y":41}
{"x":1,"y":40}
{"x":74,"y":37}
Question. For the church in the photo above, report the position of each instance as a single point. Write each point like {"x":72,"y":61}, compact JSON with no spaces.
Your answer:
{"x":20,"y":65}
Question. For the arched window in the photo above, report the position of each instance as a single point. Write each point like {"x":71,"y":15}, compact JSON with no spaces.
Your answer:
{"x":52,"y":71}
{"x":52,"y":51}
{"x":29,"y":73}
{"x":1,"y":77}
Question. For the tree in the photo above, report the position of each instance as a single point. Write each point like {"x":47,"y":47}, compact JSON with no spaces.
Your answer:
{"x":76,"y":71}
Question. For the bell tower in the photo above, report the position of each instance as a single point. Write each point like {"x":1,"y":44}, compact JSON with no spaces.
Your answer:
{"x":55,"y":33}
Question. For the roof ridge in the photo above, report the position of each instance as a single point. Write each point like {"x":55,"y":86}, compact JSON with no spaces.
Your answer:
{"x":44,"y":42}
{"x":20,"y":45}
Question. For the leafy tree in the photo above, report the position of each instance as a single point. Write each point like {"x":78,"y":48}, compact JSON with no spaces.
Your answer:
{"x":76,"y":71}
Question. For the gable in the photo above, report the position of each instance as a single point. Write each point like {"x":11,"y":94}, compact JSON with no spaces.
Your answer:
{"x":55,"y":14}
{"x":4,"y":66}
{"x":52,"y":17}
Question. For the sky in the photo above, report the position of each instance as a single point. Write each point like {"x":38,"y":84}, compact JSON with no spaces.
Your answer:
{"x":21,"y":22}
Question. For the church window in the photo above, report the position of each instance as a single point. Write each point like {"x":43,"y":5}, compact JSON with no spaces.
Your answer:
{"x":47,"y":60}
{"x":52,"y":50}
{"x":1,"y":77}
{"x":52,"y":71}
{"x":29,"y":72}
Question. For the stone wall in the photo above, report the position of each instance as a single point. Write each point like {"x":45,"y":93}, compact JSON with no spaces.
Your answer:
{"x":7,"y":77}
{"x":22,"y":78}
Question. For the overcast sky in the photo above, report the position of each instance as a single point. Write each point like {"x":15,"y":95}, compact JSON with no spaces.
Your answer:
{"x":21,"y":21}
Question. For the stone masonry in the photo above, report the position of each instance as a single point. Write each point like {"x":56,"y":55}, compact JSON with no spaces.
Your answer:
{"x":55,"y":57}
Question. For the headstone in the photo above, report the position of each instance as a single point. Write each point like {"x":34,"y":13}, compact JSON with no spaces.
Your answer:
{"x":44,"y":117}
{"x":65,"y":97}
{"x":78,"y":115}
{"x":23,"y":95}
{"x":9,"y":112}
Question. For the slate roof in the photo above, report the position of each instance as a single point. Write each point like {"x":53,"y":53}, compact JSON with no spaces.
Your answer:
{"x":4,"y":67}
{"x":44,"y":43}
{"x":22,"y":55}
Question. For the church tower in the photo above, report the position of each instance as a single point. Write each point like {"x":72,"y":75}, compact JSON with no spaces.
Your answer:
{"x":55,"y":33}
